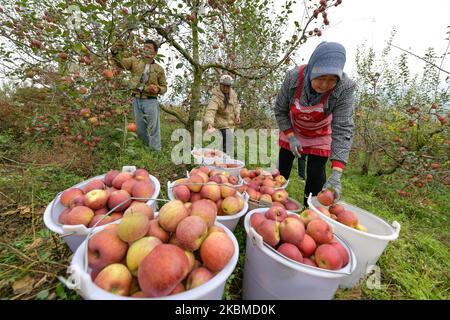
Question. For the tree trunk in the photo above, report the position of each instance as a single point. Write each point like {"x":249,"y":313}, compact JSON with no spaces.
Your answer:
{"x":366,"y":164}
{"x":195,"y":99}
{"x":195,"y":89}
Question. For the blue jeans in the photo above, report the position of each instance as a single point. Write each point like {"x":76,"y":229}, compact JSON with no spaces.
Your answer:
{"x":146,"y":115}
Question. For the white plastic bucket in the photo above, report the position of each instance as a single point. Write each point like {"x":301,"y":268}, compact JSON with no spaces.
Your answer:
{"x":230,"y":221}
{"x":74,"y":235}
{"x":80,"y":279}
{"x":270,"y":276}
{"x":200,"y":159}
{"x":231,"y":171}
{"x":368,"y":246}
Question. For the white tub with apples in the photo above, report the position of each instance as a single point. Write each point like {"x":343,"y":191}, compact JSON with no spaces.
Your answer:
{"x":232,"y":171}
{"x":201,"y":158}
{"x":368,"y":246}
{"x":270,"y":276}
{"x":230,"y":221}
{"x":80,"y":278}
{"x":74,"y":235}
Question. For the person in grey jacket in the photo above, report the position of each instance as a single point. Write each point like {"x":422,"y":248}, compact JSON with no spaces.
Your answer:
{"x":314,"y":111}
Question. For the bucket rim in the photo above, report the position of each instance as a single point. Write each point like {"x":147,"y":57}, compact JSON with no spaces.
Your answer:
{"x":394,"y":228}
{"x":314,"y":271}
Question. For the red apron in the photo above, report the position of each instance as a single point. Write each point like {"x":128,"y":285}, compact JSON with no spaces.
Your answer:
{"x":310,"y":125}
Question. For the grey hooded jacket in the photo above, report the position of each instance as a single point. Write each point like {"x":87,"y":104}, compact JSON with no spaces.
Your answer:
{"x":339,"y":103}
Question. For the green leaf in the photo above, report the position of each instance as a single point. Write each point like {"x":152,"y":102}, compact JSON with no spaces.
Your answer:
{"x":116,"y":144}
{"x":77,"y":47}
{"x":60,"y":292}
{"x":179,"y":65}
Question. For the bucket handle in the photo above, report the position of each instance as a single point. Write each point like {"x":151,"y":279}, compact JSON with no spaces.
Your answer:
{"x":257,"y":240}
{"x":397,"y":228}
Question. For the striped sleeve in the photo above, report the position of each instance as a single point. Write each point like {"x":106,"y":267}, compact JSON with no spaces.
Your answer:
{"x":343,"y":124}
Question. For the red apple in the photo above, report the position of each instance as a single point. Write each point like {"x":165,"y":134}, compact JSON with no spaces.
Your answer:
{"x":155,"y":230}
{"x":138,"y":251}
{"x":105,"y":248}
{"x":205,"y":209}
{"x":269,"y":231}
{"x":290,"y":251}
{"x":69,"y":195}
{"x":162,"y":270}
{"x":325,"y":197}
{"x":198,"y":277}
{"x":328,"y":257}
{"x":171,"y":214}
{"x":80,"y":215}
{"x":292,"y":230}
{"x":120,"y":200}
{"x":96,"y":199}
{"x":320,"y":231}
{"x":307,"y":246}
{"x":190,"y":232}
{"x":216,"y":251}
{"x":93,"y":184}
{"x":307,"y":216}
{"x":276,"y":213}
{"x":115,"y":278}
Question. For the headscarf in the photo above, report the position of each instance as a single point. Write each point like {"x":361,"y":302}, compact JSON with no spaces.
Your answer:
{"x":327,"y":59}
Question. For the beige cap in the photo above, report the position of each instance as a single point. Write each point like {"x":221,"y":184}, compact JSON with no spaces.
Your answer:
{"x":226,"y":80}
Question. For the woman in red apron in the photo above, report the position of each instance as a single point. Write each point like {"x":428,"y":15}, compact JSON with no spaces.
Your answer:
{"x":314,"y":111}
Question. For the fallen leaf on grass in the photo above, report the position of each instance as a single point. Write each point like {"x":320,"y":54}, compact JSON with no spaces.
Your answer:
{"x":36,"y":243}
{"x":23,"y":285}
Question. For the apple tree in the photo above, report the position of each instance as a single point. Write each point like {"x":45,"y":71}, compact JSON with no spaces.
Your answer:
{"x":402,"y":119}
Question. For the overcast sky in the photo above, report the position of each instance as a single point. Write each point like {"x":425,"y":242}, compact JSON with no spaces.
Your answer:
{"x":419,"y":24}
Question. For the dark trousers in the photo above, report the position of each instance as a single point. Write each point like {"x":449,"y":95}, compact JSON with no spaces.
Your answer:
{"x":227,"y":141}
{"x":315,"y":171}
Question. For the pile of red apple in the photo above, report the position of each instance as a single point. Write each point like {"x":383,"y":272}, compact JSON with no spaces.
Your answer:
{"x":303,"y":238}
{"x":212,"y":190}
{"x":220,"y":164}
{"x":145,"y":257}
{"x":259,"y":177}
{"x":337,"y":211}
{"x":264,"y":188}
{"x":89,"y":204}
{"x":209,"y":153}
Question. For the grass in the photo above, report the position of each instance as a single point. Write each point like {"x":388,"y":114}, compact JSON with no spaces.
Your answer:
{"x":416,"y":266}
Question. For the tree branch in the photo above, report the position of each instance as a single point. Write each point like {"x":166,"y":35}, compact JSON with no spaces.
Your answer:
{"x":175,"y":114}
{"x":415,"y":55}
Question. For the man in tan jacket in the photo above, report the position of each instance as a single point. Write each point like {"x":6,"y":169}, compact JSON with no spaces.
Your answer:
{"x":223,"y":112}
{"x":148,"y":81}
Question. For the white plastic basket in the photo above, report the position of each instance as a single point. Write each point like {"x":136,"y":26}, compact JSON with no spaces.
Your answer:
{"x":230,"y":221}
{"x":368,"y":246}
{"x":74,"y":235}
{"x":80,"y":278}
{"x":200,"y":159}
{"x":270,"y":276}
